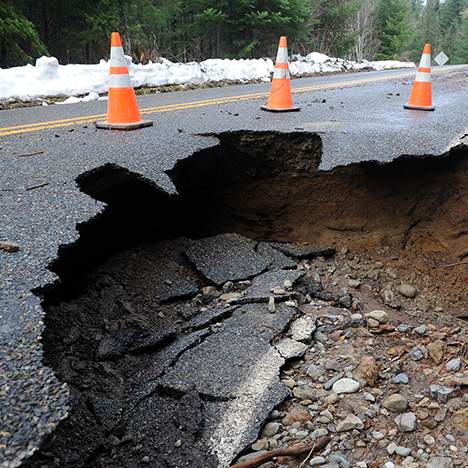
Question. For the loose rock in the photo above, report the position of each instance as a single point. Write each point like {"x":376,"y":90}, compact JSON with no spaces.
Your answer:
{"x":346,"y":386}
{"x":401,"y":379}
{"x":395,"y":403}
{"x":453,"y":365}
{"x":349,"y":423}
{"x":379,"y":315}
{"x":406,"y":422}
{"x":437,"y":351}
{"x":407,"y":290}
{"x":443,"y":394}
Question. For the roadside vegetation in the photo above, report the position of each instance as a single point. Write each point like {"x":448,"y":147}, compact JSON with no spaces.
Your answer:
{"x":186,"y":30}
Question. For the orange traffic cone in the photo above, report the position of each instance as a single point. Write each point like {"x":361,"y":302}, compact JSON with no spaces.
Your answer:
{"x":421,"y":96}
{"x":280,"y":99}
{"x":122,"y":108}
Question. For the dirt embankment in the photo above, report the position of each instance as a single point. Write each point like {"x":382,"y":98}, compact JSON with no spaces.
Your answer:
{"x":103,"y":321}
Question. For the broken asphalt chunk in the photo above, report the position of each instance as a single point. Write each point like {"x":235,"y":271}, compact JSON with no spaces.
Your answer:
{"x":265,"y":286}
{"x":220,"y":365}
{"x":227,"y":257}
{"x":277,"y":259}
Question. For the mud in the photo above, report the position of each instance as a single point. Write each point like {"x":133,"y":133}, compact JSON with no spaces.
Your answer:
{"x":129,"y":310}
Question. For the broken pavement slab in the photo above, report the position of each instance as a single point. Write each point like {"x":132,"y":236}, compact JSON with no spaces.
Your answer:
{"x":276,"y":258}
{"x":261,"y":288}
{"x":227,"y":257}
{"x":219,"y":365}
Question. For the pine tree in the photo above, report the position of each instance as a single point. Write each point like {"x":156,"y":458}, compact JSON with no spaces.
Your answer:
{"x":395,"y":28}
{"x":19,"y":40}
{"x":460,"y":53}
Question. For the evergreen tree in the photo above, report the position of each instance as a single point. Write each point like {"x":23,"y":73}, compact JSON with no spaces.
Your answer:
{"x":19,"y":39}
{"x":460,"y":53}
{"x":395,"y":28}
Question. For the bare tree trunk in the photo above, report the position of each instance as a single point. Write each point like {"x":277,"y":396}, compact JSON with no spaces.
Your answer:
{"x":364,"y":26}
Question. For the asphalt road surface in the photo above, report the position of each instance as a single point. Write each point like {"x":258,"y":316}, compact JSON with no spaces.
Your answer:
{"x":359,"y":117}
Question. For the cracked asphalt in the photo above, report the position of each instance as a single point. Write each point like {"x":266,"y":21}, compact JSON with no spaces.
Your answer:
{"x":359,"y":117}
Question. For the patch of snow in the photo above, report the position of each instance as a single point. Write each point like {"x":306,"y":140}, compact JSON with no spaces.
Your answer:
{"x":50,"y":79}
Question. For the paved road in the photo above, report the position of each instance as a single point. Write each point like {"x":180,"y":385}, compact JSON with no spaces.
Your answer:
{"x":359,"y":117}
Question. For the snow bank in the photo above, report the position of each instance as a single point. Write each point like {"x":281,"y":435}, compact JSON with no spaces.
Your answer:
{"x":50,"y":79}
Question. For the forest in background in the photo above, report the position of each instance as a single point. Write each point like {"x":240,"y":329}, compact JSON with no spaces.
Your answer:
{"x":187,"y":30}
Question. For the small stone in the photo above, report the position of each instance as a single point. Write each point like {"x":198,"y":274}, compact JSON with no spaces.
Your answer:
{"x":453,"y":365}
{"x":291,"y":383}
{"x":389,"y":465}
{"x":329,"y":383}
{"x":396,"y":403}
{"x":349,"y":423}
{"x":437,"y":350}
{"x":346,"y":386}
{"x":421,"y":330}
{"x":356,"y":317}
{"x":345,"y":301}
{"x":391,"y":448}
{"x":460,"y":419}
{"x":145,"y":459}
{"x":314,"y":372}
{"x":407,"y":290}
{"x":278,"y":291}
{"x":402,"y":328}
{"x":320,"y":432}
{"x":417,"y":353}
{"x":333,"y":364}
{"x":369,"y":397}
{"x":353,"y":283}
{"x":440,"y":462}
{"x":368,"y":370}
{"x":340,"y":460}
{"x":401,"y":379}
{"x":441,"y":415}
{"x":9,"y":247}
{"x":271,"y":305}
{"x":429,"y":440}
{"x":287,"y":284}
{"x":271,"y":429}
{"x":261,"y":444}
{"x":406,"y":422}
{"x":373,"y":323}
{"x":379,"y":315}
{"x":317,"y":461}
{"x":305,"y":392}
{"x":378,"y":435}
{"x":178,"y":443}
{"x":442,"y":394}
{"x":297,"y":414}
{"x":402,"y":451}
{"x":301,"y":435}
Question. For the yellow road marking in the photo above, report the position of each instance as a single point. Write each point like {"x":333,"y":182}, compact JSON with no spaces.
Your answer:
{"x":28,"y":128}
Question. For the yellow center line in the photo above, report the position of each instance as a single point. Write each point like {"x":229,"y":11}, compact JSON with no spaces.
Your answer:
{"x":35,"y":127}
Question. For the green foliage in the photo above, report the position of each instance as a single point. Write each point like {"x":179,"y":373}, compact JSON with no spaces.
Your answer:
{"x":188,"y":30}
{"x":19,"y":39}
{"x":395,"y":28}
{"x":460,"y":52}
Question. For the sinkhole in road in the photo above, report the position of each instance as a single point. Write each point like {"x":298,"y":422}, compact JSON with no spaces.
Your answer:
{"x":130,"y":330}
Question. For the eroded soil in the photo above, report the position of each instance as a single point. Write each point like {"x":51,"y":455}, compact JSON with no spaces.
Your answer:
{"x":171,"y":343}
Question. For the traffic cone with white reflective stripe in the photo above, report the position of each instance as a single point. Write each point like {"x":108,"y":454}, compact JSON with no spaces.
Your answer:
{"x":421,"y":95}
{"x":280,"y":99}
{"x":122,"y":108}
